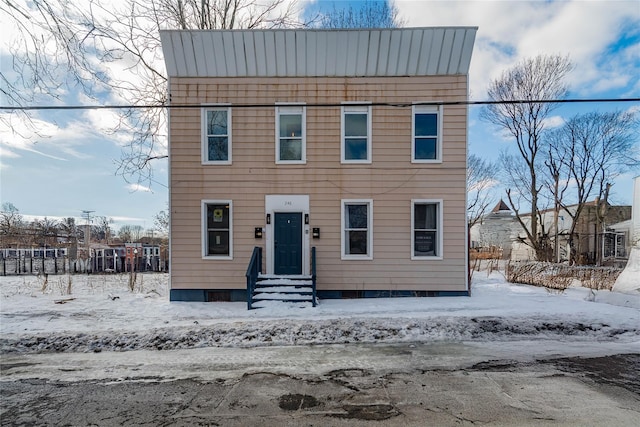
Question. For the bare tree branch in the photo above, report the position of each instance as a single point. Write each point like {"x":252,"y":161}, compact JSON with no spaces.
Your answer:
{"x":536,"y":79}
{"x":481,"y":175}
{"x":109,"y":50}
{"x":370,"y":14}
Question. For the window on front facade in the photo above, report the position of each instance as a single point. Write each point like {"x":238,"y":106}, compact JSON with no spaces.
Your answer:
{"x":356,"y":226}
{"x":426,"y":145}
{"x":217,"y":242}
{"x":356,"y":134}
{"x":426,"y":233}
{"x":290,"y":138}
{"x":216,"y":144}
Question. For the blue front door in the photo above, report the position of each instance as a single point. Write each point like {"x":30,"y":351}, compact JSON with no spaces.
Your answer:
{"x":287,"y":244}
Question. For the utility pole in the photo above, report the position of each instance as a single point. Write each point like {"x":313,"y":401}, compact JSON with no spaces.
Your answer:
{"x":87,"y":232}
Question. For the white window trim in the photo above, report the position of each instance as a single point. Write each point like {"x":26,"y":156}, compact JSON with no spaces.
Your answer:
{"x":347,"y":107}
{"x":343,"y":255}
{"x":292,"y":109}
{"x":204,"y":141}
{"x":440,"y":226}
{"x":438,"y":109}
{"x":204,"y":231}
{"x":286,"y":203}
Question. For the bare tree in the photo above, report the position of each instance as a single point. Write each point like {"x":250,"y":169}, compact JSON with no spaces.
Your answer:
{"x":130,"y":233}
{"x":125,"y":233}
{"x":45,"y":232}
{"x":10,"y":218}
{"x":519,"y":181}
{"x":481,"y":178}
{"x":69,"y":229}
{"x":112,"y":51}
{"x":370,"y":14}
{"x":137,"y":232}
{"x":556,"y":179}
{"x":161,"y":222}
{"x":102,"y":229}
{"x":11,"y":225}
{"x":536,"y":79}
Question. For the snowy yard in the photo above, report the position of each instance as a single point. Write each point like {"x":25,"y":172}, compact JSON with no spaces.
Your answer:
{"x":101,"y":314}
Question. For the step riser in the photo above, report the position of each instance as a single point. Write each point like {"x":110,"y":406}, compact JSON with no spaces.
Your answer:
{"x":289,"y":289}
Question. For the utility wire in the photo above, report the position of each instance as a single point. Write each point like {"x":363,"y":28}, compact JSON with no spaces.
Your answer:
{"x":385,"y":104}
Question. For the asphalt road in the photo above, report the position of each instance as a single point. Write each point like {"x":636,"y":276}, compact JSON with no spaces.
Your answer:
{"x":495,"y":384}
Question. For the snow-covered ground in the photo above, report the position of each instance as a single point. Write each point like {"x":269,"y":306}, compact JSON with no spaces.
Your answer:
{"x":102,"y":314}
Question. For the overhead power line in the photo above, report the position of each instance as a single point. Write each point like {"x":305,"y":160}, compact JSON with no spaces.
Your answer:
{"x":385,"y":104}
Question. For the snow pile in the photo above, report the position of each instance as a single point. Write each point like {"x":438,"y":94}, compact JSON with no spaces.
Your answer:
{"x":101,"y":314}
{"x":629,"y":279}
{"x":333,"y":331}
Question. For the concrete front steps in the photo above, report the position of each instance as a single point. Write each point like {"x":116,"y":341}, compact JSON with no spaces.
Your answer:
{"x":274,"y":290}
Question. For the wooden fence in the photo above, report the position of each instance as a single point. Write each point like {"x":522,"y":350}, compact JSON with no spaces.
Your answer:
{"x":26,"y":265}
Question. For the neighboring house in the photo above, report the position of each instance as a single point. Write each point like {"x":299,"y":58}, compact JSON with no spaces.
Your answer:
{"x":352,"y":142}
{"x":627,"y":233}
{"x":589,"y":236}
{"x":494,"y":233}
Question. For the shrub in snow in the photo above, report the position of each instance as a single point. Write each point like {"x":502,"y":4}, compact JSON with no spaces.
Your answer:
{"x":45,"y":282}
{"x":132,"y":281}
{"x":64,"y":285}
{"x":561,"y":276}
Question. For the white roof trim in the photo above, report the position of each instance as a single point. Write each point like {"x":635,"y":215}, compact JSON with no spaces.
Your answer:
{"x":318,"y":53}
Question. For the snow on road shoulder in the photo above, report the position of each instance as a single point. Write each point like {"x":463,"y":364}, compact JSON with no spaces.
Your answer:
{"x":102,"y":314}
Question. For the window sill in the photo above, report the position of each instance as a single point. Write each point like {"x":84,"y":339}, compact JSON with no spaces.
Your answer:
{"x":356,"y":258}
{"x":435,"y":161}
{"x":209,"y":163}
{"x":217,"y":258}
{"x":291,"y":162}
{"x":355,"y":162}
{"x":426,"y":258}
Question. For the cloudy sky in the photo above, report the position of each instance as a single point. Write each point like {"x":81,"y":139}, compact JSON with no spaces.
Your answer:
{"x":70,"y":164}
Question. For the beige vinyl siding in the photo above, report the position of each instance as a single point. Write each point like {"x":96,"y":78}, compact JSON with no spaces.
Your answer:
{"x":391,"y":180}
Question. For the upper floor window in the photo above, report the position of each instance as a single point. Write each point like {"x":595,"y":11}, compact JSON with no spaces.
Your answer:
{"x":357,"y":234}
{"x":426,"y":143}
{"x":356,"y":134}
{"x":426,"y":229}
{"x":217,"y":229}
{"x":216,"y":135}
{"x":290,"y":134}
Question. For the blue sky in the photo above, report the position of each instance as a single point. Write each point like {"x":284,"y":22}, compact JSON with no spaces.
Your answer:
{"x":71,"y":165}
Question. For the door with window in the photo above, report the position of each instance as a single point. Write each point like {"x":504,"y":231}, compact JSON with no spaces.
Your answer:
{"x":287,"y":244}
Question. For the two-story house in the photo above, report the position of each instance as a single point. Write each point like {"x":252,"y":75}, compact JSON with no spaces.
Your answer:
{"x":608,"y":235}
{"x":348,"y":145}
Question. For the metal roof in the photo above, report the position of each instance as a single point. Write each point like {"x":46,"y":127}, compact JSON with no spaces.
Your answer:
{"x":315,"y":53}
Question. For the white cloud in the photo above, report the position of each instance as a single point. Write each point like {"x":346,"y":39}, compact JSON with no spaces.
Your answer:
{"x":483,"y":185}
{"x":6,"y":153}
{"x":553,"y":122}
{"x":512,"y":30}
{"x":109,"y":122}
{"x":126,"y":219}
{"x":138,"y":187}
{"x":46,"y":138}
{"x":31,"y":218}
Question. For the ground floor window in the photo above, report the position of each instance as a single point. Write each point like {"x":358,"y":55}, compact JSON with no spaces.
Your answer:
{"x":613,"y":245}
{"x":357,"y":220}
{"x":426,"y":229}
{"x":217,"y":229}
